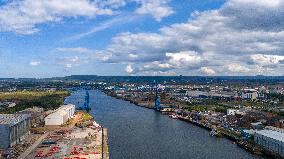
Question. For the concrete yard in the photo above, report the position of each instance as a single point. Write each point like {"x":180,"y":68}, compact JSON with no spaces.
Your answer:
{"x":33,"y":146}
{"x":74,"y":143}
{"x":20,"y":148}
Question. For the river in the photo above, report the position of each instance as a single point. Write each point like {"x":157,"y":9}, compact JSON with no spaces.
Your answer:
{"x":139,"y":133}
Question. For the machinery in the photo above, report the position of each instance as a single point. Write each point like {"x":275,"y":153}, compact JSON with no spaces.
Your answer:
{"x":86,"y":106}
{"x":157,"y":100}
{"x":86,"y":103}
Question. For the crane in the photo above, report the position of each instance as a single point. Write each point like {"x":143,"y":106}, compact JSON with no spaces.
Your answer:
{"x":86,"y":103}
{"x":157,"y":99}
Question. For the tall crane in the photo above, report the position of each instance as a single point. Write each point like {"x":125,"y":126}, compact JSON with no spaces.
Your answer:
{"x":86,"y":103}
{"x":157,"y":99}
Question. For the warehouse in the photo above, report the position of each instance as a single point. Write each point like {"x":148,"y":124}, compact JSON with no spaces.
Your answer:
{"x":69,"y":109}
{"x":13,"y":129}
{"x":61,"y":115}
{"x":271,"y":139}
{"x":36,"y":113}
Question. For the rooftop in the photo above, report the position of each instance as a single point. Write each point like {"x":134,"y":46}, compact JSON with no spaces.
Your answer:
{"x":277,"y":135}
{"x":61,"y":110}
{"x":66,"y":106}
{"x":12,"y":119}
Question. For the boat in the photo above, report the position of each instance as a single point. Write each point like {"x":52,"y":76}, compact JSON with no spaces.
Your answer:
{"x":173,"y":116}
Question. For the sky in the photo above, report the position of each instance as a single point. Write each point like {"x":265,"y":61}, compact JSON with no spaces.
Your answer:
{"x":55,"y":38}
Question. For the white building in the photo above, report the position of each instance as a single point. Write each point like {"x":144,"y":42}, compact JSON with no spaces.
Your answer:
{"x":249,"y":94}
{"x":271,"y":139}
{"x":252,"y":94}
{"x":61,"y":115}
{"x":57,"y":118}
{"x":69,"y":109}
{"x":231,"y":111}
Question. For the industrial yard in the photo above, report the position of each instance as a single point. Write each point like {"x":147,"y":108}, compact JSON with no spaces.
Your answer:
{"x":75,"y":143}
{"x":60,"y":133}
{"x":81,"y":137}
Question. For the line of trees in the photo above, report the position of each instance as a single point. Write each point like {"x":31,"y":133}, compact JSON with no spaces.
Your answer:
{"x":27,"y":99}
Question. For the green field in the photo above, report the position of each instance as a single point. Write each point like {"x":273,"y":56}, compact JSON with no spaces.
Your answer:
{"x":26,"y":99}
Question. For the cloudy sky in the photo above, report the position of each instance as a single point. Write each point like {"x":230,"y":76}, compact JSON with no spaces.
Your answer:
{"x":47,"y":38}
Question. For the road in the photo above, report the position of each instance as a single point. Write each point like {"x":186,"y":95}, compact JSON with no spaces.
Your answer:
{"x":32,"y":147}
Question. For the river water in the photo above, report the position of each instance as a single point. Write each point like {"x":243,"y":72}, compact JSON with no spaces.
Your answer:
{"x":139,"y":133}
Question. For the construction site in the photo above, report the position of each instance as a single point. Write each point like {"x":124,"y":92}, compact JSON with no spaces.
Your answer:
{"x":73,"y":143}
{"x":63,"y":132}
{"x":77,"y":137}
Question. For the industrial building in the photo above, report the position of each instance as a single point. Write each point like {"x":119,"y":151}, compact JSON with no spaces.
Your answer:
{"x":271,"y":139}
{"x":251,"y":94}
{"x":61,"y":115}
{"x":69,"y":109}
{"x":13,"y":129}
{"x":36,"y":115}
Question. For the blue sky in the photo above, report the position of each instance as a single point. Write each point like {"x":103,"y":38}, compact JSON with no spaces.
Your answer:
{"x":48,"y":38}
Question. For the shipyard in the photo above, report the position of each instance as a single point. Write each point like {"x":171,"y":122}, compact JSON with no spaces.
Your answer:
{"x":141,"y":79}
{"x":71,"y":121}
{"x":67,"y":132}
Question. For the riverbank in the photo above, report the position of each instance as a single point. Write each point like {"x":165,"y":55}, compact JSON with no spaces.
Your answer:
{"x":135,"y":132}
{"x":234,"y":136}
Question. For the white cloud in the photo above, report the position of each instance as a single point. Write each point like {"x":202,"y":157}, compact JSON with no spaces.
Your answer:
{"x":35,"y":63}
{"x":72,"y":61}
{"x":75,"y":50}
{"x":158,"y":8}
{"x":111,"y":3}
{"x":156,"y":66}
{"x":249,"y":14}
{"x":129,"y":69}
{"x":266,"y":59}
{"x":24,"y":16}
{"x":242,"y":37}
{"x":182,"y":59}
{"x":237,"y":68}
{"x":260,"y":3}
{"x":207,"y":71}
{"x":133,"y":56}
{"x":68,"y":65}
